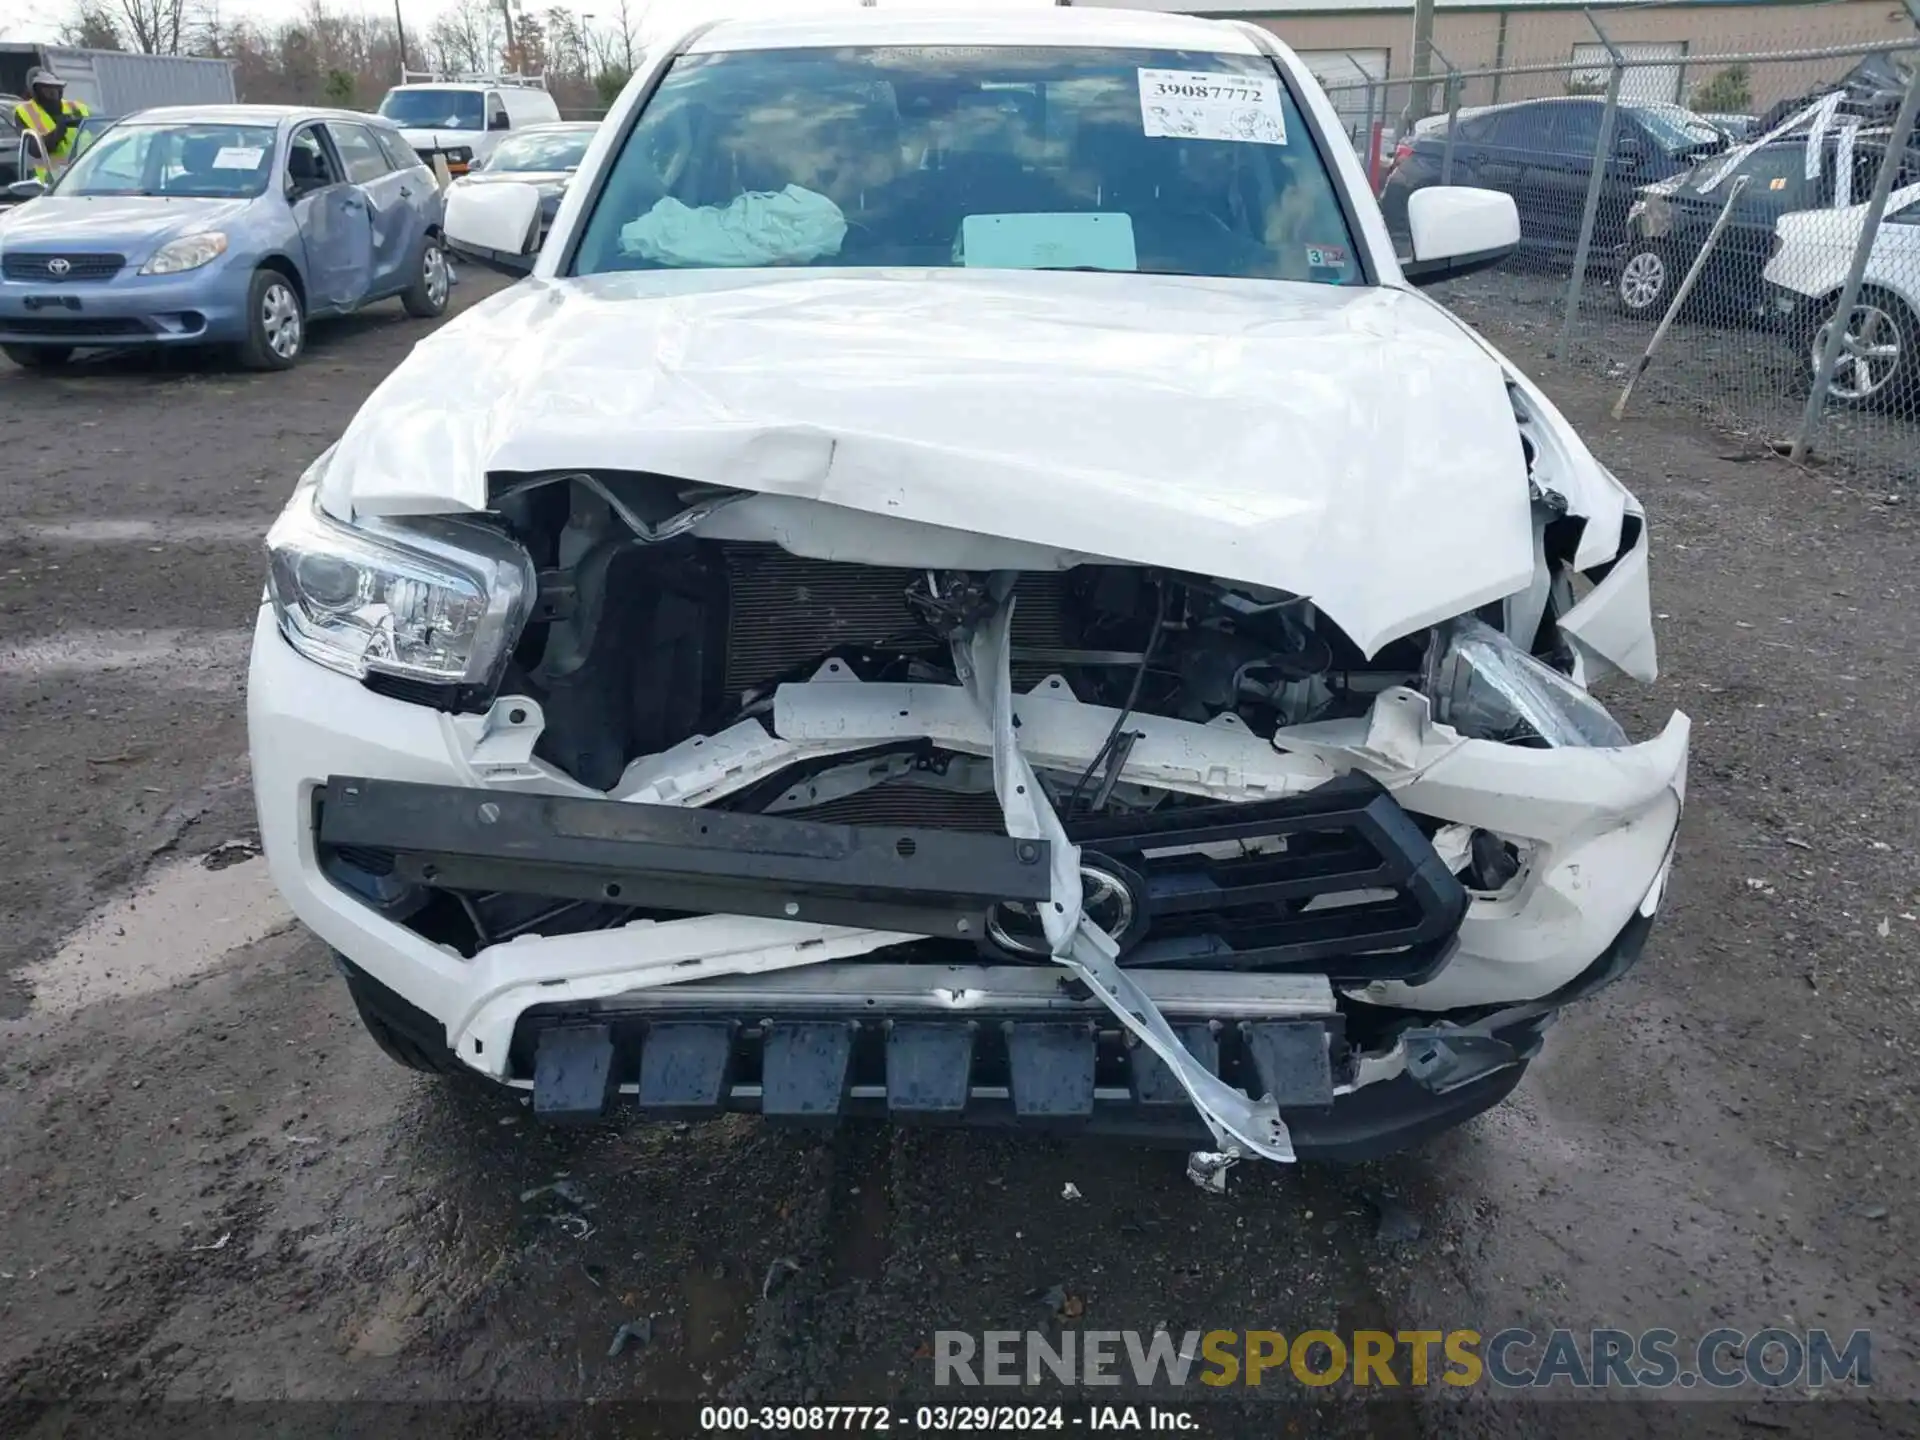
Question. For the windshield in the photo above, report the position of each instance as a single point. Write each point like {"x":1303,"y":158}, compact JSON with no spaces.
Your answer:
{"x":1176,"y":163}
{"x":1674,"y":129}
{"x":189,"y":160}
{"x":541,"y":150}
{"x":435,"y":109}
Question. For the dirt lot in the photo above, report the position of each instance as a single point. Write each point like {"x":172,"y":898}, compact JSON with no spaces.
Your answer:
{"x":213,"y":1186}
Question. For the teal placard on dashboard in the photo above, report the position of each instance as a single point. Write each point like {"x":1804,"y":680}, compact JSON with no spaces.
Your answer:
{"x":1060,"y":242}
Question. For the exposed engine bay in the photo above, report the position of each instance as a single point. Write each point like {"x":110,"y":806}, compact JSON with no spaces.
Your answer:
{"x":646,"y":633}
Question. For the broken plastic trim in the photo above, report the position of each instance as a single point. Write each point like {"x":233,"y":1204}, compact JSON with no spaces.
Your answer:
{"x":983,"y":662}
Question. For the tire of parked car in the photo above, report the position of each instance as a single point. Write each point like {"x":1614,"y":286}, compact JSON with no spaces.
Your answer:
{"x":276,"y":323}
{"x":1884,"y":369}
{"x":426,"y":298}
{"x":1647,"y":276}
{"x":38,"y":357}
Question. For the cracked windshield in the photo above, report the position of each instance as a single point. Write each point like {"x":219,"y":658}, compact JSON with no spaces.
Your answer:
{"x":1174,"y":163}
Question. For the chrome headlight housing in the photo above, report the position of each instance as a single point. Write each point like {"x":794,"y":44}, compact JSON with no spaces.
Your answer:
{"x":459,"y":154}
{"x":189,"y":252}
{"x":1488,"y":688}
{"x":431,"y":599}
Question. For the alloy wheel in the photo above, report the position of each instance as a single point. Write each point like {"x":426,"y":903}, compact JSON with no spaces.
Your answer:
{"x":1869,"y":353}
{"x":1642,"y":279}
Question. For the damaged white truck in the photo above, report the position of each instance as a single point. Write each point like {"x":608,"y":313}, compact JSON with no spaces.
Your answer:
{"x":968,"y":585}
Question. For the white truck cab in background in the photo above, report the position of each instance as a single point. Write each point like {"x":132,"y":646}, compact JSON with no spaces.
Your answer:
{"x":464,"y":116}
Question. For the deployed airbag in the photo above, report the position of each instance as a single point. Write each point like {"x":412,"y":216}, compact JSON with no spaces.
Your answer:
{"x":783,"y":227}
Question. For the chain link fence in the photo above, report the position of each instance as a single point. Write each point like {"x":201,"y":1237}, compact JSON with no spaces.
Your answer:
{"x":1693,"y":218}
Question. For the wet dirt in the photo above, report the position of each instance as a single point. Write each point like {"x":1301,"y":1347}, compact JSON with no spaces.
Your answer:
{"x":215,"y":1187}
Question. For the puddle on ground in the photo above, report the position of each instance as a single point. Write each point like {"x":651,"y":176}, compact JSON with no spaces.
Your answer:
{"x":199,"y":659}
{"x":181,"y":921}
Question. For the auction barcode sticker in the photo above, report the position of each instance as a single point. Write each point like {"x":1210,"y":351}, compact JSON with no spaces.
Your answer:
{"x":1212,"y":105}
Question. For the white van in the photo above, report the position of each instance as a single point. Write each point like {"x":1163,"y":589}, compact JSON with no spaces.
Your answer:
{"x":464,"y":116}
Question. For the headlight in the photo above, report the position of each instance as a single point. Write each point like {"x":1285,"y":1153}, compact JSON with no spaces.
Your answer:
{"x":1488,"y":688}
{"x":189,"y":252}
{"x":431,"y":599}
{"x":459,"y":155}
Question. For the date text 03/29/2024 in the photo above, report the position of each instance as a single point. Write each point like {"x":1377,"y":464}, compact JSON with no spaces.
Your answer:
{"x":942,"y":1419}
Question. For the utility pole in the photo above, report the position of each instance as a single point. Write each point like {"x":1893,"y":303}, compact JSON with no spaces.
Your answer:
{"x":400,"y":30}
{"x":1420,"y":102}
{"x":506,"y":14}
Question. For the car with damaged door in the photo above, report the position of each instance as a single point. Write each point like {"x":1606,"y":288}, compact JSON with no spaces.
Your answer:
{"x":219,"y":225}
{"x":969,"y":585}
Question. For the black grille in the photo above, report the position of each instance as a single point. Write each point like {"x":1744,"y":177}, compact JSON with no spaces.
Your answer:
{"x":58,"y":268}
{"x":72,"y":329}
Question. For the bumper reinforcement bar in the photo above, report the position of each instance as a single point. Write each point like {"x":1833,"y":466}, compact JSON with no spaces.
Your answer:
{"x":667,"y":857}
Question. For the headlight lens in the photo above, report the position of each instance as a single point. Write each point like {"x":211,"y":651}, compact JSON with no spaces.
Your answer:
{"x":459,"y":155}
{"x":433,"y":599}
{"x":1488,"y":688}
{"x":189,"y":252}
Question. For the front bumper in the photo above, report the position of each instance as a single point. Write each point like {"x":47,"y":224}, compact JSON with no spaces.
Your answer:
{"x":199,"y":307}
{"x":1598,"y":827}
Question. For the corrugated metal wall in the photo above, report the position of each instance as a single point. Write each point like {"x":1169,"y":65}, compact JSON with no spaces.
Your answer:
{"x":113,"y":84}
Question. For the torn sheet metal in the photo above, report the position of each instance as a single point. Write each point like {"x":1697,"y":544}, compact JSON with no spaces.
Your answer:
{"x":1240,"y":1125}
{"x":1226,"y":428}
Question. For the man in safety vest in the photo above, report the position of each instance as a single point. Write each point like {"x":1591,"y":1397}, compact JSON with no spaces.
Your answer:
{"x":53,"y":118}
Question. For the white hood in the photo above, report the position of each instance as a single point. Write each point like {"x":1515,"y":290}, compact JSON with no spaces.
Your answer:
{"x":1352,"y":445}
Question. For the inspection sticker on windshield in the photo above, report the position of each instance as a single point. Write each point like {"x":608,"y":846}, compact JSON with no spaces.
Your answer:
{"x":1212,"y":105}
{"x":238,"y":157}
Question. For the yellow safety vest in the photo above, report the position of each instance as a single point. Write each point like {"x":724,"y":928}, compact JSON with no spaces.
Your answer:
{"x":33,"y":116}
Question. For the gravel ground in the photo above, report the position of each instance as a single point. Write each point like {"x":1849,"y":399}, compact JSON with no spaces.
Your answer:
{"x":1715,"y":363}
{"x":215,"y":1187}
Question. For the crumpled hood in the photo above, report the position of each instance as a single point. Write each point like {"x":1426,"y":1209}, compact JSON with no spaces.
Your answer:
{"x":134,"y":225}
{"x":1352,"y":445}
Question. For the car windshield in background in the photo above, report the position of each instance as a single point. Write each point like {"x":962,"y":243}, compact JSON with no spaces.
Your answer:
{"x":1177,"y":163}
{"x":185,"y":160}
{"x":1676,"y":131}
{"x":541,"y":150}
{"x":435,"y":109}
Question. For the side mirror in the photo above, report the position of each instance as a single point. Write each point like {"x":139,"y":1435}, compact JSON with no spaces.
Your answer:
{"x":495,"y":224}
{"x":500,"y":121}
{"x":1458,"y":229}
{"x":26,"y":189}
{"x":1630,"y":153}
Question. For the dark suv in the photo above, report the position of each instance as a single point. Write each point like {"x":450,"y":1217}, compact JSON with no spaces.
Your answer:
{"x":1541,"y":153}
{"x":1669,"y":222}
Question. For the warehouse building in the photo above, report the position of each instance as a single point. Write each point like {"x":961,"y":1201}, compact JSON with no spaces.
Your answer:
{"x":1348,"y":43}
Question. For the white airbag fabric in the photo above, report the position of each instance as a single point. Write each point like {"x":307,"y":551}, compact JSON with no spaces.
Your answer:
{"x":762,"y":227}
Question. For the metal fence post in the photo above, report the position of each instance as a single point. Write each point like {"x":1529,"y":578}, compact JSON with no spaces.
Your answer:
{"x":1453,"y":125}
{"x":1856,"y":270}
{"x":1602,"y":158}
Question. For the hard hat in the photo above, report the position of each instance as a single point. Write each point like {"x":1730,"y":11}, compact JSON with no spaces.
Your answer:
{"x":40,"y":75}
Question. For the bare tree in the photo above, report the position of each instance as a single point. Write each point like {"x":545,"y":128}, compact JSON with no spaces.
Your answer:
{"x":91,"y":26}
{"x":467,"y":37}
{"x":153,"y":27}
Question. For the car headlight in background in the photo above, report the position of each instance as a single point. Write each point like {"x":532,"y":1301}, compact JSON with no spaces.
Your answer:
{"x":436,"y":600}
{"x":189,"y":252}
{"x":1488,"y":688}
{"x":459,"y":155}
